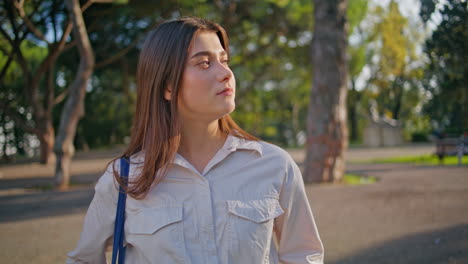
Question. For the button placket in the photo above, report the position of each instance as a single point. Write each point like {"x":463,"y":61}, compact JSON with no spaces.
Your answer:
{"x":207,"y":223}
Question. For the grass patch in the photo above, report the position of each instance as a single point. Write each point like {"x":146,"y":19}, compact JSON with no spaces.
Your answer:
{"x":421,"y":160}
{"x":354,"y":179}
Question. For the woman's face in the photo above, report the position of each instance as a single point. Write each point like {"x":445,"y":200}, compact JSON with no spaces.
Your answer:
{"x":208,"y":86}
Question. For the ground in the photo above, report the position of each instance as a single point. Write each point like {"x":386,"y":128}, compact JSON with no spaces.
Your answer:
{"x":413,"y":214}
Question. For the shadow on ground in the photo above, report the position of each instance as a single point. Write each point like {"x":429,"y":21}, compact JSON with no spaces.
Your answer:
{"x":44,"y":204}
{"x":447,"y":246}
{"x":46,"y":182}
{"x":33,"y":198}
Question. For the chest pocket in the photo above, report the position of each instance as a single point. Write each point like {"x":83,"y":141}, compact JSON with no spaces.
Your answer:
{"x":149,"y":220}
{"x":257,"y":211}
{"x":250,"y":224}
{"x":156,"y":233}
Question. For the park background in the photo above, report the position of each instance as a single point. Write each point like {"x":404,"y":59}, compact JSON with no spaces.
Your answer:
{"x":404,"y":88}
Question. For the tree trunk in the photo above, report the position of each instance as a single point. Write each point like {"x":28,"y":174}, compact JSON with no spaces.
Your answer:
{"x":45,"y":127}
{"x":295,"y":123}
{"x":327,"y":134}
{"x":398,"y":89}
{"x":353,"y":100}
{"x":464,"y":121}
{"x":46,"y":139}
{"x":74,"y":106}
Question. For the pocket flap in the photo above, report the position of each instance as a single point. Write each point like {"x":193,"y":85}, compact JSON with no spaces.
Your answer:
{"x":150,"y":220}
{"x":256,"y":210}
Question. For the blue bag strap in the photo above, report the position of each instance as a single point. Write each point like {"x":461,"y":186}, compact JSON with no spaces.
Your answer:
{"x":117,"y":248}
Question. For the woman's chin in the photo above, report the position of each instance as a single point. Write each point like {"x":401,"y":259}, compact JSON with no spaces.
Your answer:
{"x":230,"y":108}
{"x":226,"y":111}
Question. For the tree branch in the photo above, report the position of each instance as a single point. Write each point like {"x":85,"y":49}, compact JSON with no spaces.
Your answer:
{"x":69,"y":45}
{"x":54,"y":19}
{"x":90,"y":2}
{"x":19,"y":58}
{"x":50,"y":91}
{"x":11,"y":15}
{"x":117,"y":56}
{"x":60,"y":97}
{"x":5,"y":51}
{"x":91,"y":28}
{"x":29,"y":24}
{"x":86,"y":5}
{"x":5,"y":67}
{"x":7,"y":37}
{"x":53,"y":54}
{"x":26,"y":31}
{"x":124,"y":51}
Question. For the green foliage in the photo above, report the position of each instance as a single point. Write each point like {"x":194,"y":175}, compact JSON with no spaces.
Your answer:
{"x":427,"y":9}
{"x":357,"y":11}
{"x":359,"y":56}
{"x":270,"y":45}
{"x":354,"y":179}
{"x":14,"y":101}
{"x":385,"y":44}
{"x":446,"y":76}
{"x":393,"y":52}
{"x":417,"y":128}
{"x":421,"y":160}
{"x":273,"y":76}
{"x":32,"y":53}
{"x":395,"y":84}
{"x":109,"y":114}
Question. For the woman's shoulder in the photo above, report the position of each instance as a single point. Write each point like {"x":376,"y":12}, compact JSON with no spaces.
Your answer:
{"x":107,"y":180}
{"x":275,"y":152}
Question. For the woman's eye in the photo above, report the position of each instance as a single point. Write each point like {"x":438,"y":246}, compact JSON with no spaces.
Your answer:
{"x":204,"y":64}
{"x":225,"y":61}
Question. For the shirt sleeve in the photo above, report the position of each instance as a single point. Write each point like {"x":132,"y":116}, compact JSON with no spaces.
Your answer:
{"x":98,"y":227}
{"x":296,"y":231}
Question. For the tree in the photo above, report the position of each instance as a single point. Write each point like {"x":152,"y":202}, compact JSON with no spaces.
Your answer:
{"x":386,"y":45}
{"x":24,"y":34}
{"x":446,"y":77}
{"x":74,"y":106}
{"x":358,"y":53}
{"x":327,"y":134}
{"x":33,"y":41}
{"x":398,"y":70}
{"x":268,"y":59}
{"x":24,"y":29}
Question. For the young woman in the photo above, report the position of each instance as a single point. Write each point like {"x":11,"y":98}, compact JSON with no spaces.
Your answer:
{"x":201,"y":189}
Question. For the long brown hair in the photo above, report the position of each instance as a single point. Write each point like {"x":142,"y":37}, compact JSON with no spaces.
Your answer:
{"x":156,"y":129}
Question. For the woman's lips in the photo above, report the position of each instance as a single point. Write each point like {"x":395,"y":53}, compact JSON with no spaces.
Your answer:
{"x":226,"y":92}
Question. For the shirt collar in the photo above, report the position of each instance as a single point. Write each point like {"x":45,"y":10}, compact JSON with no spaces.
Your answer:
{"x":234,"y":143}
{"x":231,"y":144}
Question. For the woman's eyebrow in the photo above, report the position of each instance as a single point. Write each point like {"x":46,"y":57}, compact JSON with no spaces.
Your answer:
{"x":207,"y":53}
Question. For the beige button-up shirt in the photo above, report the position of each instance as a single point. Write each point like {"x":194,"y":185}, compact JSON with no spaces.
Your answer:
{"x":248,"y":206}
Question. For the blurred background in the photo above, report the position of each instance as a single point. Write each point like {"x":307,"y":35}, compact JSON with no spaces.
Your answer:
{"x":67,"y":100}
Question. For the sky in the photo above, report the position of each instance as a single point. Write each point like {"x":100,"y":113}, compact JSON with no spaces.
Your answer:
{"x":409,"y":8}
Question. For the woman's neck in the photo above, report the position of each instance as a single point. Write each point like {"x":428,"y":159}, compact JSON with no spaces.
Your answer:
{"x":200,"y":141}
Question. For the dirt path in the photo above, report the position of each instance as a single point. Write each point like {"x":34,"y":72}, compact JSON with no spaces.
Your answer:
{"x":414,"y":214}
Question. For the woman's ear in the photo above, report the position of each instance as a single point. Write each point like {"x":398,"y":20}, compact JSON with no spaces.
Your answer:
{"x":168,"y":93}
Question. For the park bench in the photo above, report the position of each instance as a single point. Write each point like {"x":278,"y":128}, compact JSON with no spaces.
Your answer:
{"x":452,"y":146}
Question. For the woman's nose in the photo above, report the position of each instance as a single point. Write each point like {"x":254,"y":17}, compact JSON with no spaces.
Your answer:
{"x":224,"y":73}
